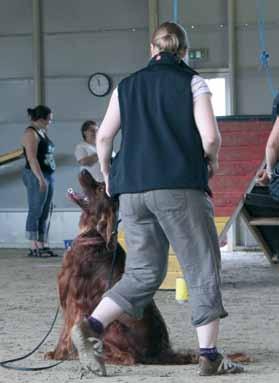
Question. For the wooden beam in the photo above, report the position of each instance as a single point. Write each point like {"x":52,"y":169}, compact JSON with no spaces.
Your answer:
{"x":257,"y":235}
{"x":11,"y":156}
{"x":269,"y":221}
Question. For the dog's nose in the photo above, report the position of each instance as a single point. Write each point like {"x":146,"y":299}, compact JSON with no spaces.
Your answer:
{"x":84,"y":173}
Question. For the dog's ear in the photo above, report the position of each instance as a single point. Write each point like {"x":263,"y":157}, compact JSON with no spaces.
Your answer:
{"x":105,"y":226}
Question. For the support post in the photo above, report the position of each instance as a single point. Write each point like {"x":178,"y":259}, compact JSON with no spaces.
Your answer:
{"x":153,"y":8}
{"x":234,"y":230}
{"x":232,"y":55}
{"x":37,"y":53}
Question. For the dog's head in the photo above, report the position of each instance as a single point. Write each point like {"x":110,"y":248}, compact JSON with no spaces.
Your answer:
{"x":98,"y":209}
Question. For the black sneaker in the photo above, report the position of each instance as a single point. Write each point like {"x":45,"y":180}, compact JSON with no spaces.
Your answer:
{"x":47,"y":252}
{"x":89,"y":347}
{"x":219,"y":366}
{"x":33,"y":253}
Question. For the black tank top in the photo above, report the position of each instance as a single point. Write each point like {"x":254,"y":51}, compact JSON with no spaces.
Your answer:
{"x":45,"y":153}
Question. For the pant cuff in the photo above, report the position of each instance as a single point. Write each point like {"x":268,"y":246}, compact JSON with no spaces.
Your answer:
{"x":42,"y":237}
{"x":32,"y":235}
{"x":210,"y":317}
{"x":136,"y":312}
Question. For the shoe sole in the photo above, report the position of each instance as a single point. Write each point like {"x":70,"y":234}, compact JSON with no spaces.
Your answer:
{"x":238,"y":370}
{"x":86,"y":353}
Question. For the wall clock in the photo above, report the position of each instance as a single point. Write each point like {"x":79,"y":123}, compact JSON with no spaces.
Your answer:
{"x":99,"y":84}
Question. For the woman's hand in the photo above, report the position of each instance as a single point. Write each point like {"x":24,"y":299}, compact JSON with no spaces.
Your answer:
{"x":212,"y":166}
{"x":106,"y":179}
{"x":262,"y":178}
{"x":43,"y":185}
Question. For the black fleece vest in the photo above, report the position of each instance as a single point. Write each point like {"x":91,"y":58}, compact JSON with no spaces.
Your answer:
{"x":161,"y":147}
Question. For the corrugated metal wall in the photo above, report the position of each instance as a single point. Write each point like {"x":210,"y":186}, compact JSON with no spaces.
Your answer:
{"x":85,"y":36}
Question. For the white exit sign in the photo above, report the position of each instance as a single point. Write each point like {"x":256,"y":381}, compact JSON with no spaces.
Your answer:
{"x":198,"y":54}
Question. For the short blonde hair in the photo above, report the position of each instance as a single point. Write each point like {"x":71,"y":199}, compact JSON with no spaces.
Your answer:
{"x":170,"y":37}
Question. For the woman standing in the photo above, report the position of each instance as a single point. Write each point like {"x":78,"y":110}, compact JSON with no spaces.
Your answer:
{"x":169,"y":149}
{"x":38,"y":178}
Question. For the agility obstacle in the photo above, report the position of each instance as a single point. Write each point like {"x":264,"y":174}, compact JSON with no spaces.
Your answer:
{"x":14,"y":155}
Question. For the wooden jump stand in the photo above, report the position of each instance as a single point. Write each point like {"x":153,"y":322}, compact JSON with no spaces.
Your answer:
{"x":261,"y":214}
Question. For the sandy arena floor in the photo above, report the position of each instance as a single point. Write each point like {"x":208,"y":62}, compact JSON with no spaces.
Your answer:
{"x":251,"y":294}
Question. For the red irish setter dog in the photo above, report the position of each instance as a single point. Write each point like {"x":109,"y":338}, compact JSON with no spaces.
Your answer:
{"x":84,"y":277}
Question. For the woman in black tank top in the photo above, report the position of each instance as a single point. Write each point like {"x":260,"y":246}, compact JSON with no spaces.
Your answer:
{"x":38,"y":178}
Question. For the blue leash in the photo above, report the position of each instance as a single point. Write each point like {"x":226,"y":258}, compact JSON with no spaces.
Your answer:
{"x":264,"y":55}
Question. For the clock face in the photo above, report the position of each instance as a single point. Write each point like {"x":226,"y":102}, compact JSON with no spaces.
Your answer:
{"x":99,"y":84}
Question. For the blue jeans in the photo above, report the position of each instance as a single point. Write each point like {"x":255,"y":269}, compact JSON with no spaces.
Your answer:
{"x":39,"y":204}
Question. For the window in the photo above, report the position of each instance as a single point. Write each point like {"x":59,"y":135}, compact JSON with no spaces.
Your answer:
{"x":217,"y":87}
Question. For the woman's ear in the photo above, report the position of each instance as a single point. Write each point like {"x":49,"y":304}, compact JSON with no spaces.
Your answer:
{"x":153,"y":50}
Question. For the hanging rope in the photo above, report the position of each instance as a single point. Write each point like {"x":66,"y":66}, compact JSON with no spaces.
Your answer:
{"x":264,"y":55}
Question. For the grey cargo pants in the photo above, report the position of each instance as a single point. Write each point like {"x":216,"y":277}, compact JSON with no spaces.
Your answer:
{"x":184,"y":219}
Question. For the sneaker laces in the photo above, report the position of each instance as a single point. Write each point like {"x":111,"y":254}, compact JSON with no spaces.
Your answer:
{"x":97,"y":345}
{"x":227,"y":365}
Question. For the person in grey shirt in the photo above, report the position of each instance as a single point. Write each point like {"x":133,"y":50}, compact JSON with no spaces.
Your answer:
{"x":86,"y":152}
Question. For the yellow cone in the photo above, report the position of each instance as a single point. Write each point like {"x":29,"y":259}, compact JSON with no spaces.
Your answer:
{"x":181,"y":292}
